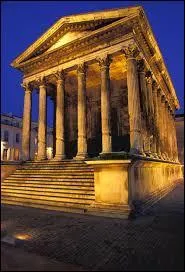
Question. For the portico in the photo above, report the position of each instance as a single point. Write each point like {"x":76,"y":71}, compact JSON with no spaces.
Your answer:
{"x":148,"y":134}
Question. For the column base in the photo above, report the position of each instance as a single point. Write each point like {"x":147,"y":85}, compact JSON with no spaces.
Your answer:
{"x":149,"y":154}
{"x":41,"y":158}
{"x":81,"y":156}
{"x":155,"y":155}
{"x":59,"y":157}
{"x":159,"y":156}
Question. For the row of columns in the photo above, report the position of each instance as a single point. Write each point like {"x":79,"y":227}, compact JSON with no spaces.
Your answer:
{"x":150,"y":120}
{"x":158,"y":127}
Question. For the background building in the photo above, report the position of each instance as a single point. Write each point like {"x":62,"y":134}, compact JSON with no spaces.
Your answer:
{"x":11,"y":138}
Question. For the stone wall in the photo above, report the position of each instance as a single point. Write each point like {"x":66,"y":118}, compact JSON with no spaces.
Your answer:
{"x":122,"y":184}
{"x":7,"y":168}
{"x":149,"y":178}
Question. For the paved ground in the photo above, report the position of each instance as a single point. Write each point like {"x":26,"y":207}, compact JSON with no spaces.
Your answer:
{"x":66,"y":242}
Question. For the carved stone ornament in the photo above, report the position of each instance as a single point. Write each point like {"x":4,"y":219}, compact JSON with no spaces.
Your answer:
{"x":104,"y":61}
{"x":60,"y":75}
{"x":141,"y":65}
{"x":82,"y":68}
{"x":130,"y":51}
{"x":148,"y":76}
{"x":163,"y":98}
{"x":26,"y":86}
{"x":154,"y":86}
{"x":41,"y":81}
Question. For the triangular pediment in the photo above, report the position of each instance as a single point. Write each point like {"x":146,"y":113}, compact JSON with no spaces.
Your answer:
{"x":71,"y":28}
{"x":67,"y":38}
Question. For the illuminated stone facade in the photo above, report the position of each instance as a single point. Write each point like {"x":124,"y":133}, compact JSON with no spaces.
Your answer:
{"x":113,"y":97}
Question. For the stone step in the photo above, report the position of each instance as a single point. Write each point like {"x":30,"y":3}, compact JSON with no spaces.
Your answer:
{"x":49,"y":178}
{"x":50,"y":182}
{"x":76,"y":171}
{"x":49,"y":186}
{"x":38,"y":190}
{"x":54,"y":197}
{"x":60,"y":167}
{"x":43,"y":203}
{"x":54,"y":163}
{"x":54,"y":174}
{"x":44,"y":206}
{"x":65,"y":186}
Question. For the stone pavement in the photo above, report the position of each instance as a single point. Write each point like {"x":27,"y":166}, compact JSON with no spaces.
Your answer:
{"x":65,"y":241}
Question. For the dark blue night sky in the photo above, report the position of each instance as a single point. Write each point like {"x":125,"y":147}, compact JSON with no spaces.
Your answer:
{"x":24,"y":21}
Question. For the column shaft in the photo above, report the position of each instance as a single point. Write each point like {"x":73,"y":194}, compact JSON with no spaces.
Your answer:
{"x":133,"y":101}
{"x":54,"y":125}
{"x":42,"y":129}
{"x":60,"y":144}
{"x":144,"y":103}
{"x":151,"y":115}
{"x":163,"y":127}
{"x":82,"y":123}
{"x":105,"y":105}
{"x":26,"y":128}
{"x":156,"y":120}
{"x":174,"y":140}
{"x":170,"y":135}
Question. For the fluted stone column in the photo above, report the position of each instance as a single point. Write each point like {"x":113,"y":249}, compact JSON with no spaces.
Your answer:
{"x":167,"y":131}
{"x":175,"y":152}
{"x":26,"y":128}
{"x":144,"y":103}
{"x":42,"y":126}
{"x":133,"y":100}
{"x":60,"y":144}
{"x":160,"y":124}
{"x":156,"y":120}
{"x":170,"y":135}
{"x":54,"y":124}
{"x":149,"y":80}
{"x":104,"y":63}
{"x":163,"y":99}
{"x":82,"y":123}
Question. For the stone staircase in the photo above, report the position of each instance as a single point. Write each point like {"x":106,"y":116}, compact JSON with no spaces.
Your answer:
{"x":65,"y":186}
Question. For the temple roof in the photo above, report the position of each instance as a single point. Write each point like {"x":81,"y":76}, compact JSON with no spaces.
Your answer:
{"x":86,"y":21}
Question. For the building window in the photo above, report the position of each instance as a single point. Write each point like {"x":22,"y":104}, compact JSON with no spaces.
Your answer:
{"x":6,"y":135}
{"x":17,"y":137}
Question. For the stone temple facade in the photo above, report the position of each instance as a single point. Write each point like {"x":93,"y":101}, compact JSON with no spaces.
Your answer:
{"x":113,"y":100}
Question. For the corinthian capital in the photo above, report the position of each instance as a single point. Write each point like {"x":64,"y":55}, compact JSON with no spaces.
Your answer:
{"x":41,"y":81}
{"x":26,"y":86}
{"x":130,"y":51}
{"x":148,"y":76}
{"x":155,"y":86}
{"x":104,"y":61}
{"x":163,"y":98}
{"x":60,"y":75}
{"x":82,"y":68}
{"x":141,"y":65}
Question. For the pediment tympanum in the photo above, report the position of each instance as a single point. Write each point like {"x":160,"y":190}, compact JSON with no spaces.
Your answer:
{"x":67,"y":38}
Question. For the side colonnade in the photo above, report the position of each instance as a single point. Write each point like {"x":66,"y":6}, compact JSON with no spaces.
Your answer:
{"x":151,"y":116}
